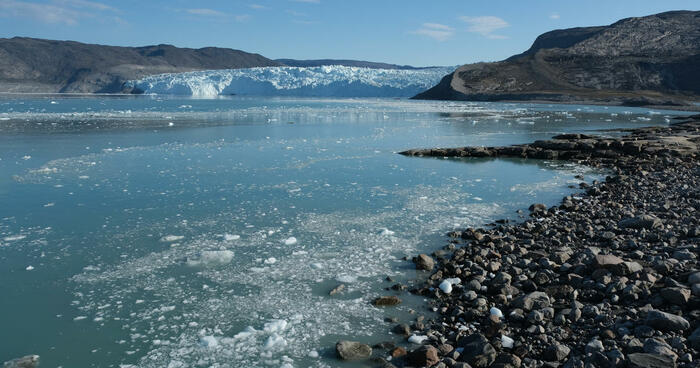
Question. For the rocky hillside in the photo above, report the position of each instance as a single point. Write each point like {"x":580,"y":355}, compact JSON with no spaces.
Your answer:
{"x":652,"y":60}
{"x":36,"y":65}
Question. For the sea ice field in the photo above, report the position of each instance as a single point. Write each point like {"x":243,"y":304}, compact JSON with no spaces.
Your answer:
{"x":155,"y":231}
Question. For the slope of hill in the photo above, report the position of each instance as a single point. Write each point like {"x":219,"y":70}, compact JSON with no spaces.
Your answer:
{"x":36,"y":65}
{"x":652,"y":60}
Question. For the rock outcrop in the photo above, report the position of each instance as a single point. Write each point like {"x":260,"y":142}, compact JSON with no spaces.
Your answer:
{"x":652,"y":60}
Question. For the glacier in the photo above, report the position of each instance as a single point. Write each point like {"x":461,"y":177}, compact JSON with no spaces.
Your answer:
{"x":320,"y":81}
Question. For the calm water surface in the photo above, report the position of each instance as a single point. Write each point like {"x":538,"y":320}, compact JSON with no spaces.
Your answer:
{"x":163,"y":232}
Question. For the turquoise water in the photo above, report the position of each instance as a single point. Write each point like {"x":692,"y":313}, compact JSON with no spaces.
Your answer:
{"x":170,"y":232}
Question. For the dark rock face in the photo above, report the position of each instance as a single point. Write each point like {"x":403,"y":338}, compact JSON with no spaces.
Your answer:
{"x":617,"y":64}
{"x":36,"y":65}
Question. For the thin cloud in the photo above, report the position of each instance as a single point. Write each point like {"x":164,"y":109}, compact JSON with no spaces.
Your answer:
{"x":206,"y":12}
{"x":295,"y":13}
{"x":308,"y":1}
{"x":68,"y":12}
{"x":436,"y":31}
{"x":554,"y":16}
{"x":258,"y":7}
{"x":485,"y":25}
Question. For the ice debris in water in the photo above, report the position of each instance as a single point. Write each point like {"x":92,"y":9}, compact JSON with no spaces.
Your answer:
{"x":29,"y":268}
{"x":446,"y":285}
{"x":231,"y":237}
{"x":290,"y":241}
{"x":386,"y":232}
{"x":346,"y":278}
{"x":211,"y":258}
{"x":208,"y":342}
{"x":271,"y":260}
{"x":171,"y":238}
{"x":417,"y":339}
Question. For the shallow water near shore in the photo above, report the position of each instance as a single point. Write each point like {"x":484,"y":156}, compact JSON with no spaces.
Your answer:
{"x":172,"y":232}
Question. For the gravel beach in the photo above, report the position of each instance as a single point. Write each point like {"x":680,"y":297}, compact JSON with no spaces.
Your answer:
{"x":609,"y":278}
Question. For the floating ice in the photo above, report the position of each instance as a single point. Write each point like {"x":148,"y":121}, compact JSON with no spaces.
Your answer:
{"x":417,"y":339}
{"x":507,"y":342}
{"x":346,"y":278}
{"x":496,"y":312}
{"x":231,"y":237}
{"x":271,"y":260}
{"x":29,"y":268}
{"x":446,"y":285}
{"x":208,"y":342}
{"x":211,"y":258}
{"x":14,"y":237}
{"x":171,"y":238}
{"x":290,"y":241}
{"x":386,"y":232}
{"x":338,"y":81}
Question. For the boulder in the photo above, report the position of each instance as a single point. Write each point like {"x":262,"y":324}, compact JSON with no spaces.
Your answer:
{"x":424,"y":262}
{"x":352,"y":350}
{"x":28,"y":361}
{"x":387,"y":301}
{"x":424,"y":356}
{"x":675,"y":295}
{"x":556,"y":353}
{"x":666,"y":321}
{"x":477,"y":351}
{"x":645,"y":360}
{"x":533,"y":300}
{"x":640,"y":222}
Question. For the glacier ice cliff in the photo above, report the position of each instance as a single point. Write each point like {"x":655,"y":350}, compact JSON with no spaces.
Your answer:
{"x":321,"y":81}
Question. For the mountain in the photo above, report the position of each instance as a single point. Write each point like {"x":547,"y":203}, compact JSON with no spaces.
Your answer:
{"x":37,"y":65}
{"x":652,"y":60}
{"x":355,"y":63}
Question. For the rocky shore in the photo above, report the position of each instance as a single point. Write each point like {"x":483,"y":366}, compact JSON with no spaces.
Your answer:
{"x":609,"y":278}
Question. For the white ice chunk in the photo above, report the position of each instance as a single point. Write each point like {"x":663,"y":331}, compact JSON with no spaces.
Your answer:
{"x":211,"y":258}
{"x":171,"y":238}
{"x":271,"y":260}
{"x":208,"y":342}
{"x":446,"y":285}
{"x":507,"y":342}
{"x":290,"y":241}
{"x":29,"y":268}
{"x":496,"y":312}
{"x":386,"y":232}
{"x":417,"y":339}
{"x":231,"y":237}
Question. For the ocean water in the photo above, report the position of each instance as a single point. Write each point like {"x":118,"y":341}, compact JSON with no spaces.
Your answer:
{"x":174,"y":232}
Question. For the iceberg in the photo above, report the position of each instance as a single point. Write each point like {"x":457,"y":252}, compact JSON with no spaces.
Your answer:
{"x":320,"y":81}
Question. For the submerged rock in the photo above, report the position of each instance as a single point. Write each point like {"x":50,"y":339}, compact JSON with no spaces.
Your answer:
{"x":387,"y":301}
{"x":28,"y":361}
{"x":352,"y":350}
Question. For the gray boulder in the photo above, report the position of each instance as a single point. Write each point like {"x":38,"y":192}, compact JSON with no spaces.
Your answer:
{"x":29,"y":361}
{"x":666,"y":321}
{"x":352,"y":350}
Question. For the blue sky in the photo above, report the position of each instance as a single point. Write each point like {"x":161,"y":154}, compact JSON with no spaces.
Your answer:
{"x":437,"y":32}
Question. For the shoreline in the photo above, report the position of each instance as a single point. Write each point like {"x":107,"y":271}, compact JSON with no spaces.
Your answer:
{"x":609,"y":277}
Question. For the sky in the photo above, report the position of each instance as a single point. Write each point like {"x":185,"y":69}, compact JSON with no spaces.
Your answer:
{"x":413,"y":32}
